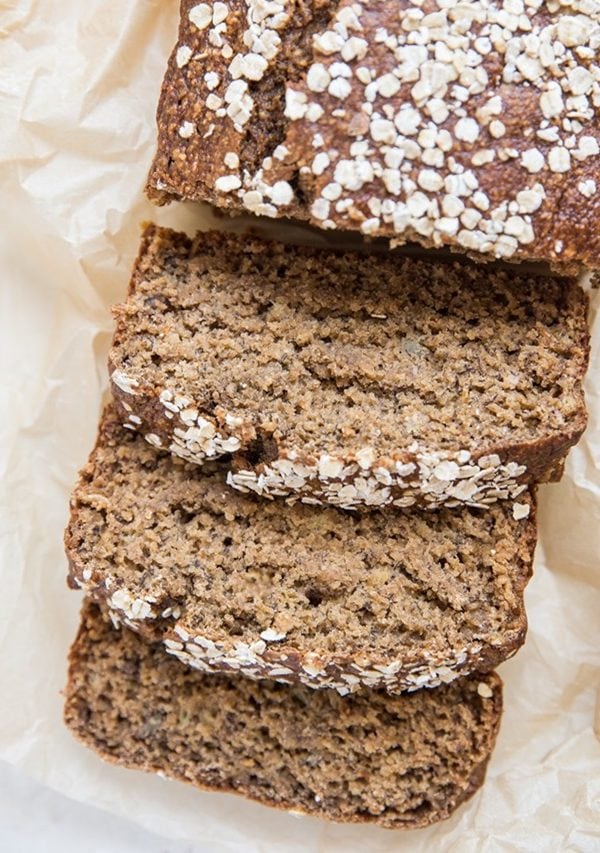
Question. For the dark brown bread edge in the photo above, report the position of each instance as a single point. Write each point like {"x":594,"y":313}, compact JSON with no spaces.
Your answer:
{"x":255,"y":463}
{"x":289,"y":665}
{"x":71,"y":717}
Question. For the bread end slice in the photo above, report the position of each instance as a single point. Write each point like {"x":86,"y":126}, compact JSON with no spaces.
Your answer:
{"x":399,"y":762}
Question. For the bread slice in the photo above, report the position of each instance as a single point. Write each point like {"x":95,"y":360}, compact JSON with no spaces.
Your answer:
{"x":350,"y":379}
{"x":470,"y":126}
{"x":400,"y":762}
{"x":229,"y":582}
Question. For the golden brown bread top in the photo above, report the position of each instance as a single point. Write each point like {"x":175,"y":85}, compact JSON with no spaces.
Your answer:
{"x":473,"y":125}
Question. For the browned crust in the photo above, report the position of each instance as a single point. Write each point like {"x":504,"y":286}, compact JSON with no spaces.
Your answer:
{"x":72,"y":719}
{"x":188,"y":169}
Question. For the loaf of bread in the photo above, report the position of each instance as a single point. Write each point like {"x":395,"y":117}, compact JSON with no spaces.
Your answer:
{"x":350,"y":379}
{"x":473,"y":125}
{"x":229,"y":582}
{"x":401,"y":762}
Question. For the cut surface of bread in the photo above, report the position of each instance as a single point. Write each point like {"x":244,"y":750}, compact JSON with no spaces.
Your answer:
{"x":473,"y":126}
{"x":350,"y":379}
{"x":230,"y":582}
{"x":401,"y":762}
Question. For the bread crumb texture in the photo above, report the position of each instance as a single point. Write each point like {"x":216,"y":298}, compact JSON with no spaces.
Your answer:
{"x":351,"y":379}
{"x":230,"y":582}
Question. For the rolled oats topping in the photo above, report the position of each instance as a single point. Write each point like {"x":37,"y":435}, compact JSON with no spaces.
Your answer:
{"x":492,"y":99}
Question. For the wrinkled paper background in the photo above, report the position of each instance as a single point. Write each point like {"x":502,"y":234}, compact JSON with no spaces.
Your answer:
{"x":78,"y":87}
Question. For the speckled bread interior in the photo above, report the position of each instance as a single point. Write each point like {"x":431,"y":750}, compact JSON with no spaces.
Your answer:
{"x":332,"y":599}
{"x":351,"y":379}
{"x":472,"y":125}
{"x":400,"y":762}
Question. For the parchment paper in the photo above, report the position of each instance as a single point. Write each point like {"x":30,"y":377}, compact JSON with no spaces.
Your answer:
{"x":78,"y":88}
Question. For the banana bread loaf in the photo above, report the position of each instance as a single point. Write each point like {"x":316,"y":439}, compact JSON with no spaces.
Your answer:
{"x":473,"y":125}
{"x":401,"y":762}
{"x":229,"y":582}
{"x":350,"y":379}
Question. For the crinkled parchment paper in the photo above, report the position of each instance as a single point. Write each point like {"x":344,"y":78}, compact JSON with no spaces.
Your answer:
{"x":78,"y":88}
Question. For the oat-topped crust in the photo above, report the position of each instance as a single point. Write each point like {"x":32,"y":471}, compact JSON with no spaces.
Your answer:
{"x":399,"y":762}
{"x":473,"y":125}
{"x":233,"y":583}
{"x":357,"y":380}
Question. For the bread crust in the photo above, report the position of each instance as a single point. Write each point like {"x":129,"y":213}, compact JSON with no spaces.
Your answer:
{"x":254,"y":148}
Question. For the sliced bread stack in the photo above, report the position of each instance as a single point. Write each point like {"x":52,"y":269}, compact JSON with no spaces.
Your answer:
{"x":231,"y":582}
{"x":425,"y":399}
{"x":308,"y":521}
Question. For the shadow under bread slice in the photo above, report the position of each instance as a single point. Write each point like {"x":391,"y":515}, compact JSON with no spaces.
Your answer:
{"x":351,"y":379}
{"x":230,"y":582}
{"x":398,"y":761}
